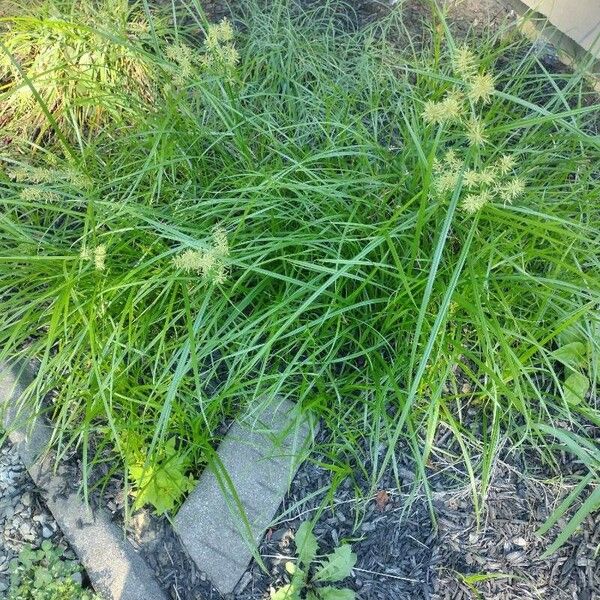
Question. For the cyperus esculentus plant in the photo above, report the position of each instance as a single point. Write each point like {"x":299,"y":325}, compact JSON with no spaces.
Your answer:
{"x":73,"y":67}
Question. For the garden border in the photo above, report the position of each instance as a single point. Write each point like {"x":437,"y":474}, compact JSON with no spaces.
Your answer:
{"x":258,"y":458}
{"x":222,"y":521}
{"x":115,"y":569}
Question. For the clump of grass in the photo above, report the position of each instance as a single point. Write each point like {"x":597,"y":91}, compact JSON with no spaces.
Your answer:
{"x":74,"y":66}
{"x":408,"y":236}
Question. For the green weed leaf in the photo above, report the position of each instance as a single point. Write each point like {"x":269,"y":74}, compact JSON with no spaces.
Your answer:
{"x":161,"y":484}
{"x":591,"y":504}
{"x":338,"y":565}
{"x":286,"y":592}
{"x":566,"y":504}
{"x":575,"y":388}
{"x":331,"y":593}
{"x":306,"y":544}
{"x":573,"y":354}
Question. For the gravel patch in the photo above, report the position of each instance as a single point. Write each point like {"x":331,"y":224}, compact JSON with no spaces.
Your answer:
{"x":24,"y":519}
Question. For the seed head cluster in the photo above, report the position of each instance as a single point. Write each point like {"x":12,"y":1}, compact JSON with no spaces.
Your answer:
{"x":447,"y":173}
{"x":464,"y":62}
{"x":475,"y":202}
{"x":480,"y":88}
{"x":512,"y":190}
{"x":220,"y":52}
{"x":483,"y":185}
{"x":97,"y":255}
{"x":475,"y":132}
{"x":209,"y":263}
{"x":38,"y":193}
{"x":100,"y":257}
{"x":184,"y":57}
{"x":43,"y":175}
{"x":448,"y":109}
{"x":506,"y":164}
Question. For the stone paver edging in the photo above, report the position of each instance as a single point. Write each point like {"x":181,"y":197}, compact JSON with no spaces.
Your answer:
{"x":220,"y":527}
{"x":116,"y":570}
{"x":220,"y":523}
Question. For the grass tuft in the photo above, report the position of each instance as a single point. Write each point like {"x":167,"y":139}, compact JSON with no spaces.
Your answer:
{"x":398,"y":238}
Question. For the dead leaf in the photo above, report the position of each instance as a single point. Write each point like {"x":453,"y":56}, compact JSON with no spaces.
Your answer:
{"x":382,"y":498}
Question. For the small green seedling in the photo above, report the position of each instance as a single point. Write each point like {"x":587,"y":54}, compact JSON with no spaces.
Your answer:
{"x":309,"y":577}
{"x":163,"y":483}
{"x":473,"y":579}
{"x":45,"y":574}
{"x":577,"y":355}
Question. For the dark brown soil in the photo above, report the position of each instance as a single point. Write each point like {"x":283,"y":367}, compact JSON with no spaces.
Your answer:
{"x":506,"y":543}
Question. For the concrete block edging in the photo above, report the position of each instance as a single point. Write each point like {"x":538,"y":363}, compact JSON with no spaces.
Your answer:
{"x":221,"y":522}
{"x":116,"y":570}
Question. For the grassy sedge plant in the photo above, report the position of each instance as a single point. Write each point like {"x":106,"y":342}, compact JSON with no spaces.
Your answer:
{"x":396,"y":240}
{"x":74,"y":66}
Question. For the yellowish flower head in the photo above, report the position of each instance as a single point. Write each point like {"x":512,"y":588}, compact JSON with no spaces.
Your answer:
{"x":464,"y":62}
{"x":453,"y":106}
{"x":471,"y":179}
{"x":447,"y":172}
{"x":476,"y":132}
{"x":207,"y":263}
{"x":38,"y":194}
{"x":488,"y":176}
{"x":231,"y":57}
{"x":475,"y":202}
{"x":506,"y":164}
{"x":78,"y":179}
{"x":512,"y":190}
{"x":100,"y":257}
{"x":184,"y":57}
{"x":224,"y":31}
{"x":218,"y":44}
{"x":220,"y":275}
{"x":446,"y":182}
{"x":482,"y":87}
{"x":97,"y":255}
{"x":221,"y":56}
{"x":139,"y":26}
{"x":221,"y":244}
{"x":452,"y":161}
{"x":54,"y":175}
{"x":180,"y":53}
{"x":194,"y":261}
{"x":449,"y":109}
{"x":432,"y":112}
{"x":34,"y":175}
{"x":18,"y":175}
